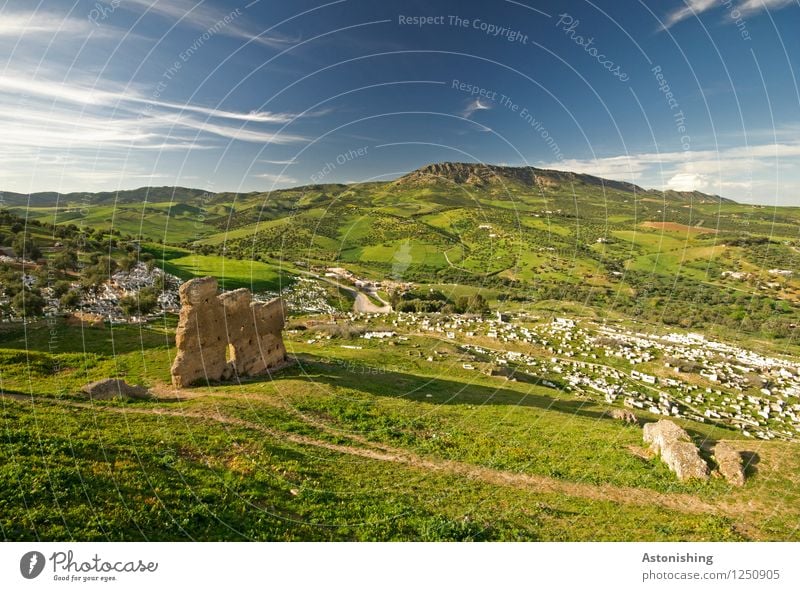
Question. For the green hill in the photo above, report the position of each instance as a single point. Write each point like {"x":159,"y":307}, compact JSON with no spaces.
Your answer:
{"x":430,"y":434}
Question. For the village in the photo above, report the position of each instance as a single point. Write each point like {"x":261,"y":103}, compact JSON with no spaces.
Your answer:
{"x":697,"y":378}
{"x":670,"y":374}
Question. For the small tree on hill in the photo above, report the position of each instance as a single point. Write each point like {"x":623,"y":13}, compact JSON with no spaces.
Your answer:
{"x":25,"y":247}
{"x":28,"y":303}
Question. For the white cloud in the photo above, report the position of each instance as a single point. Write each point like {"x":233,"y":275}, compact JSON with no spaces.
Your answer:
{"x":23,"y":24}
{"x":475,"y":105}
{"x":690,"y":8}
{"x":685,"y":181}
{"x":278,"y":179}
{"x":745,"y":7}
{"x":279,"y":162}
{"x":749,"y":7}
{"x":48,"y":117}
{"x":202,"y":16}
{"x":761,"y":173}
{"x":87,"y":95}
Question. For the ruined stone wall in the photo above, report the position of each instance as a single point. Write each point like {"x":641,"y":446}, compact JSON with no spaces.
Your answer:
{"x":227,"y":335}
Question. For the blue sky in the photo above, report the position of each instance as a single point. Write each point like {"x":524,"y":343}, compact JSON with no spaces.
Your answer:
{"x":241,"y":95}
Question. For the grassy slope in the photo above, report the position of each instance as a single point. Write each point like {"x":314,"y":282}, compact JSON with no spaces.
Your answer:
{"x":350,"y":444}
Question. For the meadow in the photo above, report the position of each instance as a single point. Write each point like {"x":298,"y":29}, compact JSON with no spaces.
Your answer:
{"x":349,"y":444}
{"x":395,"y":440}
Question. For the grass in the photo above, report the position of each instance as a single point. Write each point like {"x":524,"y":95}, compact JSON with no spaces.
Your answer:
{"x":300,"y":456}
{"x":377,"y":443}
{"x":129,"y":477}
{"x":231,"y":273}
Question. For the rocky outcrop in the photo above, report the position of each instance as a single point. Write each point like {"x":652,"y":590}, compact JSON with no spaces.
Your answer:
{"x":227,"y":335}
{"x":676,"y":449}
{"x":624,"y":415}
{"x":479,"y":175}
{"x":469,"y":174}
{"x":109,"y":389}
{"x":729,"y":463}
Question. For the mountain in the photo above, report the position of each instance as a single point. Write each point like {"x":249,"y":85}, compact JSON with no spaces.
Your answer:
{"x":487,"y":175}
{"x":440,"y":174}
{"x":140,"y":195}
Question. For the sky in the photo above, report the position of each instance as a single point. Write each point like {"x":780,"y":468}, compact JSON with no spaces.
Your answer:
{"x":246,"y":95}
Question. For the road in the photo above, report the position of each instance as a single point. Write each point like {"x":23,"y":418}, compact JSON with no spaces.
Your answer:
{"x":361,"y":302}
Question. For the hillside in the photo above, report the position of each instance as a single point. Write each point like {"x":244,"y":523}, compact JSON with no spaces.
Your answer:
{"x":526,"y":306}
{"x":526,"y":234}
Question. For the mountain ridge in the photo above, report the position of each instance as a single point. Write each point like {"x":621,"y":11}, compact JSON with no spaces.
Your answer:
{"x":476,"y":175}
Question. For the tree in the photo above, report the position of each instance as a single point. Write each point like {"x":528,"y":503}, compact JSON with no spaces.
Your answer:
{"x":148,"y":300}
{"x":70,"y":299}
{"x":28,"y":303}
{"x":478,"y":304}
{"x":66,"y":260}
{"x":24,"y":247}
{"x":127,"y":263}
{"x":140,"y":304}
{"x":129,"y":305}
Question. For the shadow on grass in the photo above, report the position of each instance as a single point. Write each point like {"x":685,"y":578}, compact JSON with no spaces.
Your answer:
{"x":107,"y":340}
{"x":430,"y":390}
{"x":750,"y":460}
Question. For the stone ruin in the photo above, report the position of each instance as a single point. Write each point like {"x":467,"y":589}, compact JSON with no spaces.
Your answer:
{"x":729,"y":463}
{"x":682,"y":456}
{"x":222,"y":336}
{"x":676,"y":449}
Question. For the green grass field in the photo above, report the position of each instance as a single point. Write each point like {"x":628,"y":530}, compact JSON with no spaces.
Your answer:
{"x":396,"y":439}
{"x":349,"y":444}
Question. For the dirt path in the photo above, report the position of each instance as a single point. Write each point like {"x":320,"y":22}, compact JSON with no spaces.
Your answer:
{"x":361,"y":302}
{"x":364,"y":305}
{"x":363,"y":448}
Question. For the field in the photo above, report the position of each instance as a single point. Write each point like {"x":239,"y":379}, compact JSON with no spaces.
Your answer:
{"x":231,"y":273}
{"x":349,"y":444}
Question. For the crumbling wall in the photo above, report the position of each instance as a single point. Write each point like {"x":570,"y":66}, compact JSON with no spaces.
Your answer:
{"x":227,"y":335}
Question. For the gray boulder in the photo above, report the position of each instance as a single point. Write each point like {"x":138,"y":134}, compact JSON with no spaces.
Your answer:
{"x":110,"y":388}
{"x":729,"y":462}
{"x":676,"y":449}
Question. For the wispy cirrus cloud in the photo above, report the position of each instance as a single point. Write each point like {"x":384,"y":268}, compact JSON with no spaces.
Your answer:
{"x":690,"y":8}
{"x":56,"y":131}
{"x":744,"y":7}
{"x":32,"y":24}
{"x":112,"y":107}
{"x":748,"y":7}
{"x":278,"y":179}
{"x":288,"y":162}
{"x":203,"y":16}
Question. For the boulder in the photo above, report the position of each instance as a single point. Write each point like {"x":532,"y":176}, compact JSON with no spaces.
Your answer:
{"x":110,"y":388}
{"x":624,"y":415}
{"x":676,"y":449}
{"x":729,"y":462}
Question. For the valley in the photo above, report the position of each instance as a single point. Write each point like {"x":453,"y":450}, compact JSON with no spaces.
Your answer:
{"x":460,"y":337}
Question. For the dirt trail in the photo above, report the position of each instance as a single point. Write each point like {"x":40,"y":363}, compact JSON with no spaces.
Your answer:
{"x":364,"y":305}
{"x":373,"y":451}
